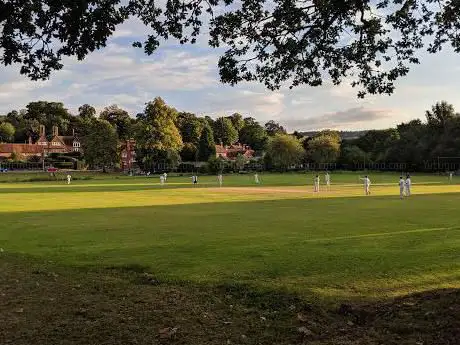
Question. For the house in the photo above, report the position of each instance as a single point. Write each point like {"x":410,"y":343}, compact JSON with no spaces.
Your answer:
{"x":128,"y":154}
{"x":57,"y":144}
{"x":63,"y":144}
{"x":232,"y":151}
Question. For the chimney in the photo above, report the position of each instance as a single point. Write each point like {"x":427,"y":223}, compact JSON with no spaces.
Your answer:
{"x":73,"y":132}
{"x":30,"y":140}
{"x":42,"y":131}
{"x":55,"y":131}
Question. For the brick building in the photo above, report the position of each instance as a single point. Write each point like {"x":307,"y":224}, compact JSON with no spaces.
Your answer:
{"x":57,"y":144}
{"x":232,"y":151}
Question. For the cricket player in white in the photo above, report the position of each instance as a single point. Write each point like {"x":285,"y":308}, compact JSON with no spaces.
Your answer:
{"x":367,"y":184}
{"x":162,"y":179}
{"x":408,"y":185}
{"x":220,"y":178}
{"x":165,"y":176}
{"x":450,"y":177}
{"x":69,"y":178}
{"x":402,"y":186}
{"x":256,"y":178}
{"x":316,"y":184}
{"x":327,"y":177}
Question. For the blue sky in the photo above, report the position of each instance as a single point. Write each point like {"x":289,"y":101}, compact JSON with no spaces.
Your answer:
{"x":187,"y":78}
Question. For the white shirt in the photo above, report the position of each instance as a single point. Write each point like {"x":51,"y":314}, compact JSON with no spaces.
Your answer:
{"x":367,"y":181}
{"x":328,"y":178}
{"x":69,"y":177}
{"x":317,"y":180}
{"x":408,"y":182}
{"x":401,"y":183}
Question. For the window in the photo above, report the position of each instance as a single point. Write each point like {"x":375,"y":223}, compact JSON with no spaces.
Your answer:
{"x":56,"y":143}
{"x":76,"y":144}
{"x":76,"y":149}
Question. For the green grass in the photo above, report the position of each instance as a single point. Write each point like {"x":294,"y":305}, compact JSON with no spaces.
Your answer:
{"x":338,"y":245}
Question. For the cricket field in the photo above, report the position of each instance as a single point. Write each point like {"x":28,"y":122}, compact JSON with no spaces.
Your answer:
{"x":328,"y":248}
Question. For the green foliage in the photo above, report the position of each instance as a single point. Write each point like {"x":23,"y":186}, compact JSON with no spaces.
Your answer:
{"x":48,"y":114}
{"x":87,"y":112}
{"x":253,"y":134}
{"x":7,"y":132}
{"x":190,"y":127}
{"x":224,"y":131}
{"x":296,"y":45}
{"x":100,"y":144}
{"x":284,"y":151}
{"x":273,"y":128}
{"x":324,"y":147}
{"x":240,"y":161}
{"x":216,"y":165}
{"x":207,"y":147}
{"x":189,"y":152}
{"x":237,"y":121}
{"x":352,"y":154}
{"x":119,"y":119}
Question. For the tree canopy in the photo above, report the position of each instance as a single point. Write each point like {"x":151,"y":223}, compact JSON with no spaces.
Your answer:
{"x":274,"y":42}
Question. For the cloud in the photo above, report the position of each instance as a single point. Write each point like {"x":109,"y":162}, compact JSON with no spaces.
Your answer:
{"x":353,"y":118}
{"x":264,"y":105}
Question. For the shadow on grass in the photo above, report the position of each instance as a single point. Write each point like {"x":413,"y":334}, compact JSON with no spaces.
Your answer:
{"x":50,"y":304}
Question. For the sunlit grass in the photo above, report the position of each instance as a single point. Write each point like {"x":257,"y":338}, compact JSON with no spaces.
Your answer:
{"x":333,"y":245}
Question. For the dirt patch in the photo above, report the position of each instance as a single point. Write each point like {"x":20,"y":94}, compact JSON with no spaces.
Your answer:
{"x":44,"y":304}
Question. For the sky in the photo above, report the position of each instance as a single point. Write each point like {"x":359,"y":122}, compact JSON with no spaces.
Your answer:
{"x":186,"y":77}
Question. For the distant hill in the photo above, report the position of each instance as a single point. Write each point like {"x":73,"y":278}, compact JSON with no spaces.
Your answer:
{"x":345,"y":135}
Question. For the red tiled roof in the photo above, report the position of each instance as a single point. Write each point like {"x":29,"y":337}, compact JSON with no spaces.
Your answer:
{"x":220,"y":149}
{"x":21,"y":148}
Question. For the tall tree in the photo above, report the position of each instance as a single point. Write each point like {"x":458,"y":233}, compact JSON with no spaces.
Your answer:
{"x":440,"y":115}
{"x":324,"y":148}
{"x":253,"y":134}
{"x":190,"y":127}
{"x":49,"y":114}
{"x":86,"y":111}
{"x":237,"y":121}
{"x":224,"y":131}
{"x":156,"y":132}
{"x":290,"y":42}
{"x":285,"y":150}
{"x":119,"y":119}
{"x":100,"y":144}
{"x":207,"y":147}
{"x":273,"y":128}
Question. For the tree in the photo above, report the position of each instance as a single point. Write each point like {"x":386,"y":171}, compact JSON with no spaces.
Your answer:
{"x":441,"y":113}
{"x":290,"y":42}
{"x":284,"y":150}
{"x":273,"y":128}
{"x":207,"y":147}
{"x":253,"y":134}
{"x":100,"y":144}
{"x":189,"y":152}
{"x":156,"y":132}
{"x":7,"y":132}
{"x":49,"y":114}
{"x":224,"y":131}
{"x":352,"y":154}
{"x":119,"y":119}
{"x":190,"y":127}
{"x":86,"y":112}
{"x":237,"y":121}
{"x":324,"y":148}
{"x":240,"y":161}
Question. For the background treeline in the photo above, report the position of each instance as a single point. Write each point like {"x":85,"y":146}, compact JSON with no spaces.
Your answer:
{"x":166,"y":135}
